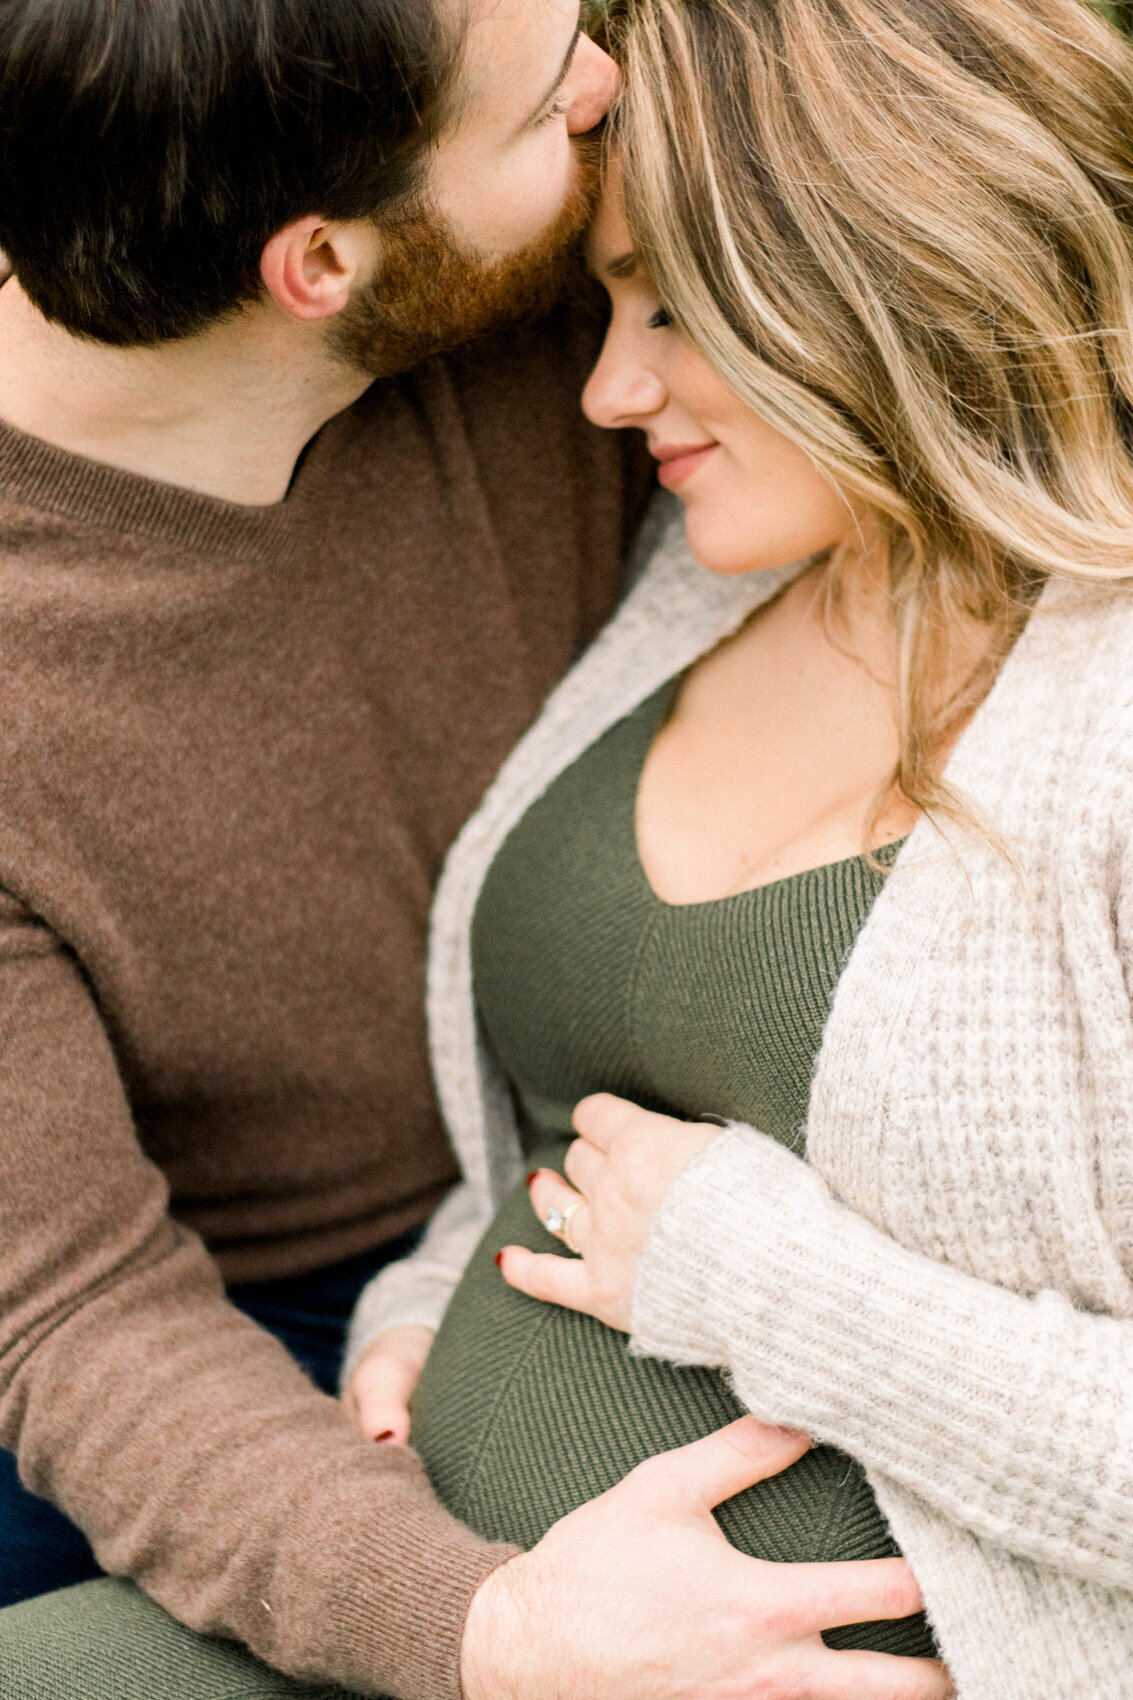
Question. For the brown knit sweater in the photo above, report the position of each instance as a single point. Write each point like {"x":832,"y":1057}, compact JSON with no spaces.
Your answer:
{"x":234,"y":745}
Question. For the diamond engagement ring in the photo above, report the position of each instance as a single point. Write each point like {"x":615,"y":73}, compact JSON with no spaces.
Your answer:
{"x":558,"y":1222}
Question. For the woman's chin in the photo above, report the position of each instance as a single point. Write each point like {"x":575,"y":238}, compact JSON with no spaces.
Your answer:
{"x":721,"y":548}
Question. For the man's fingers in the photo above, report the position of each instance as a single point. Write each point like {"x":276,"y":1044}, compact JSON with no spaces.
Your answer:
{"x":855,"y":1591}
{"x":697,"y":1477}
{"x":542,"y":1275}
{"x":878,"y":1676}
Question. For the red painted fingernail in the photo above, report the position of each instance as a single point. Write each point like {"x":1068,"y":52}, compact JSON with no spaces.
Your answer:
{"x":532,"y":1176}
{"x":499,"y":1260}
{"x":386,"y":1434}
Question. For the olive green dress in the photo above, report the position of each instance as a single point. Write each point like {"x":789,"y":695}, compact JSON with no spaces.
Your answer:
{"x":587,"y":981}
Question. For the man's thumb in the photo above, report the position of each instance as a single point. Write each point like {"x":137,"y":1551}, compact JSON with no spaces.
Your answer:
{"x":697,"y":1477}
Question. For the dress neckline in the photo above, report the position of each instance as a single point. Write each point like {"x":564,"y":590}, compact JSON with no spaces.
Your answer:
{"x":651,"y":712}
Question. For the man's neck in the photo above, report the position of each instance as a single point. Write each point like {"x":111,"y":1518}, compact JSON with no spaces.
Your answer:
{"x":226,"y":413}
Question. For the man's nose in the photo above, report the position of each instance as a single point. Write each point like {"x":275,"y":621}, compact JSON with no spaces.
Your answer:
{"x":595,"y":81}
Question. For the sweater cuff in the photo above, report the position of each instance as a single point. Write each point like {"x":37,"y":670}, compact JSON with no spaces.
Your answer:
{"x":381,"y":1603}
{"x":713,"y":1237}
{"x":1008,"y":1413}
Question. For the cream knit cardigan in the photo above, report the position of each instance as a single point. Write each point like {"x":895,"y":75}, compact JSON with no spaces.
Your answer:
{"x":945,"y":1287}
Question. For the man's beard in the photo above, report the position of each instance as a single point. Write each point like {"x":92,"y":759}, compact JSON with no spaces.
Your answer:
{"x":430,"y":295}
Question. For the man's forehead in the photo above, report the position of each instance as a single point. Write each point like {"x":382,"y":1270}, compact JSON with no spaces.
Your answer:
{"x":512,"y":50}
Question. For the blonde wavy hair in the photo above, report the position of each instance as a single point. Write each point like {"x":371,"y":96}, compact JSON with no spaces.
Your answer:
{"x":902,"y":231}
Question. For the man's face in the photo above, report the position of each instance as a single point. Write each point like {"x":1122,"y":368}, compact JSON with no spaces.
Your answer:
{"x":529,"y":82}
{"x":508,"y":186}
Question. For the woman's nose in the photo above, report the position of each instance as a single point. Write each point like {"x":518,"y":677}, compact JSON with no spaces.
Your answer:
{"x":594,"y":84}
{"x":621,"y":391}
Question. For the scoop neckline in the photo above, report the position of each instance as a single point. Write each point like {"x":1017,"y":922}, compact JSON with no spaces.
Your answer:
{"x":756,"y":891}
{"x":664,"y":694}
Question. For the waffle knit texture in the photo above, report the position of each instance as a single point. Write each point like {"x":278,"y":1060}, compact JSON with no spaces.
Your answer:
{"x":235,"y":743}
{"x":944,"y":1289}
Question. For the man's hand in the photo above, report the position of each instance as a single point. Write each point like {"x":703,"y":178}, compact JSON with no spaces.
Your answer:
{"x":638,"y":1596}
{"x":622,"y":1165}
{"x":378,"y":1393}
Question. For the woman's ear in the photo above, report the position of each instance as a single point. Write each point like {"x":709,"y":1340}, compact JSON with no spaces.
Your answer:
{"x":312,"y":265}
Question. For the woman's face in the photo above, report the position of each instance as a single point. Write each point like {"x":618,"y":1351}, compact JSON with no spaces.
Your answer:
{"x":752,"y":498}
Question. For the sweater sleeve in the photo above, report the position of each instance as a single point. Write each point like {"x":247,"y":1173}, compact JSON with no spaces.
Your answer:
{"x":178,"y":1435}
{"x":417,"y":1288}
{"x":1012,"y":1416}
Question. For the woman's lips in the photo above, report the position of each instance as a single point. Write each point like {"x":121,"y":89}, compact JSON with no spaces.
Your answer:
{"x":678,"y":463}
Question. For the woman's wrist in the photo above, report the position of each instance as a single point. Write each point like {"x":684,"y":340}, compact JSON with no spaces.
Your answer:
{"x":712,"y":1245}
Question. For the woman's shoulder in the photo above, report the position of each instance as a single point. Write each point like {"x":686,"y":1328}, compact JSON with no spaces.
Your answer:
{"x":1077,"y":699}
{"x":1076,"y":658}
{"x":1049,"y":756}
{"x":1083,"y":628}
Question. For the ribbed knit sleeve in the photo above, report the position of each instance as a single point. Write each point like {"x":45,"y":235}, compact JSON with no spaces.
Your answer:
{"x":1012,"y":1416}
{"x":183,"y":1439}
{"x":415,"y":1291}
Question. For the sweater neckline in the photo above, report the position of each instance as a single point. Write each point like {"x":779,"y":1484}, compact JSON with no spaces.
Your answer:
{"x":98,"y":496}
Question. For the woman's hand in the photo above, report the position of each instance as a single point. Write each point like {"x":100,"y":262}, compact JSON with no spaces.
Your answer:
{"x":378,"y":1393}
{"x":621,"y":1167}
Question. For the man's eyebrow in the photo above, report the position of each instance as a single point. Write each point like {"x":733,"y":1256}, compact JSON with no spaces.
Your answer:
{"x":624,"y":266}
{"x":564,"y":72}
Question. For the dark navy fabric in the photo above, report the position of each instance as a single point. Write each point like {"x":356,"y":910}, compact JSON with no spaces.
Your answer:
{"x":41,"y":1550}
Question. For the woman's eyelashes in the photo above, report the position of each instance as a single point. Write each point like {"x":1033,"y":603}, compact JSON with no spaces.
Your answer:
{"x":660,"y":320}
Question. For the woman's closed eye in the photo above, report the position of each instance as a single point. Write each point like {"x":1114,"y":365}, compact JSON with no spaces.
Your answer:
{"x":661,"y":320}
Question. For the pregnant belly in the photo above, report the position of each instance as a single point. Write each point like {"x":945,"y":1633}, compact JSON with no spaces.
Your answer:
{"x":525,"y":1411}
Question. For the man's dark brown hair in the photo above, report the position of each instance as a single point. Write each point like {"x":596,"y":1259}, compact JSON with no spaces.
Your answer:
{"x":149,"y":148}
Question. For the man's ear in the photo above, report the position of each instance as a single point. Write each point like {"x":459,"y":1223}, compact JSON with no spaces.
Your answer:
{"x":310,"y":267}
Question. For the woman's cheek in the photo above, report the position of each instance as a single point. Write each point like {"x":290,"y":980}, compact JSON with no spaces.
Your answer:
{"x":723,"y":534}
{"x":741,"y":522}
